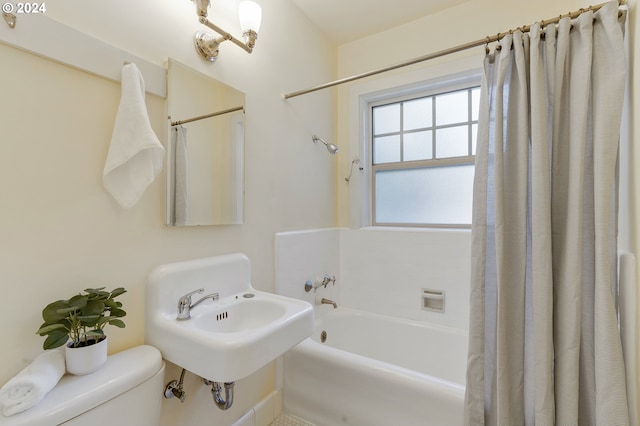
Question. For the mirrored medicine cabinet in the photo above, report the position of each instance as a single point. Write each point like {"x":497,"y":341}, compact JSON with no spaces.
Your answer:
{"x":205,"y":176}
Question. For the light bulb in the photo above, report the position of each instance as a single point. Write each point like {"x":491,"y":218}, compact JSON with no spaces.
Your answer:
{"x":250,"y":14}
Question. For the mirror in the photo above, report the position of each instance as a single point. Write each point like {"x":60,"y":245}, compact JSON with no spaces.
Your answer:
{"x":205,"y":178}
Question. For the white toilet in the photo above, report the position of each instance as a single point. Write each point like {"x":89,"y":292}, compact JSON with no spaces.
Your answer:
{"x":126,"y":390}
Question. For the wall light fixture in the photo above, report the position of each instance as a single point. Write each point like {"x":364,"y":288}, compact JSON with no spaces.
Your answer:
{"x":208,"y":45}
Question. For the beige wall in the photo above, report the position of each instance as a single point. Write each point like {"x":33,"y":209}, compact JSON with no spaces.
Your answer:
{"x":60,"y":232}
{"x":470,"y":21}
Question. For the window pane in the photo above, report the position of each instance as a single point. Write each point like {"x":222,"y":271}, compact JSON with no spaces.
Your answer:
{"x":452,"y":108}
{"x":386,"y":119}
{"x":386,"y":149}
{"x":474,"y":138}
{"x":417,"y":114}
{"x":452,"y":142}
{"x":418,"y":146}
{"x":475,"y":106}
{"x":437,"y":195}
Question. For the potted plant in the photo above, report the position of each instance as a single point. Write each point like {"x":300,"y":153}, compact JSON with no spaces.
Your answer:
{"x":82,"y":319}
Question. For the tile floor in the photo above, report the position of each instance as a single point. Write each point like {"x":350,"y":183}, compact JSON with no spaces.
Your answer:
{"x":286,"y":419}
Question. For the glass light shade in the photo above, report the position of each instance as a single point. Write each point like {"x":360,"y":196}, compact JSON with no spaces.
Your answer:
{"x":250,"y":16}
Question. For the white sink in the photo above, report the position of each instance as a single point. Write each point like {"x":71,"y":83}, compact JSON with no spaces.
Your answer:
{"x":240,"y":315}
{"x":225,"y":339}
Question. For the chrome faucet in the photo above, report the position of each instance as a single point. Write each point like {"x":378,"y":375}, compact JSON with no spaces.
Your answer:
{"x":185,"y":305}
{"x":319,"y":282}
{"x":328,"y":302}
{"x":327,"y":279}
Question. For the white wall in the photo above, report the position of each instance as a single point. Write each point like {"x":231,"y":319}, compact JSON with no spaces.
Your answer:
{"x":379,"y":270}
{"x":385,"y":271}
{"x":61,"y":232}
{"x":308,"y":255}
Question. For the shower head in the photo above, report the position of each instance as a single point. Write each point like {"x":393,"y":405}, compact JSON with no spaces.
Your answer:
{"x":330,"y":147}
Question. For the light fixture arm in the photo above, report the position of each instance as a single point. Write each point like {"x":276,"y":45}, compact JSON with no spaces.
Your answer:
{"x":248,"y":47}
{"x":208,"y":45}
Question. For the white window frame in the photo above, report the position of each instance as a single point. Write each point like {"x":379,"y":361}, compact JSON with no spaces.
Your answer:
{"x":433,"y":87}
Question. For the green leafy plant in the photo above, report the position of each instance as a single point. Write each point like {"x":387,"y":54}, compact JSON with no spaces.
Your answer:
{"x":81,"y":318}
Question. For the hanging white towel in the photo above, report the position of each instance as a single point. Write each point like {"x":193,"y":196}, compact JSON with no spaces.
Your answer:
{"x":32,"y":384}
{"x":179,"y":182}
{"x":135,"y":154}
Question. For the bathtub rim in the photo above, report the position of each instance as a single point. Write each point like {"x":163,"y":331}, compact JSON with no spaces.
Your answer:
{"x":359,"y":360}
{"x":315,"y":349}
{"x":344,"y":310}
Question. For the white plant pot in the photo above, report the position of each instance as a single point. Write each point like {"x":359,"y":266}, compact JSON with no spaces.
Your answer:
{"x":85,"y":359}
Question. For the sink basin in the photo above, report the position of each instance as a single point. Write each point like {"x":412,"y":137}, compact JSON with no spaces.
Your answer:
{"x":225,"y":339}
{"x":241,"y":315}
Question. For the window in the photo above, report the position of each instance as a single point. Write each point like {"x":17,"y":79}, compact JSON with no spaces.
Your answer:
{"x":422,"y":158}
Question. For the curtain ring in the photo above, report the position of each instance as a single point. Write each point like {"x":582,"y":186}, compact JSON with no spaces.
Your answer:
{"x":486,"y":46}
{"x":499,"y":46}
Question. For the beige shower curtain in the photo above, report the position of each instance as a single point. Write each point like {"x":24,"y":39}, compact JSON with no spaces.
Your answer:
{"x":544,"y":347}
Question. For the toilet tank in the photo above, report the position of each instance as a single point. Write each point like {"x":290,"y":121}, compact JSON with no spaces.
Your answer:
{"x":126,"y":390}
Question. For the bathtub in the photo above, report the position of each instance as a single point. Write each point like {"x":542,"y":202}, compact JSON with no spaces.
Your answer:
{"x":376,"y":370}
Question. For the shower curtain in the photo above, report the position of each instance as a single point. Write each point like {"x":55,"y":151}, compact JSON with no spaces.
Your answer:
{"x":179,"y":188}
{"x":544,"y":347}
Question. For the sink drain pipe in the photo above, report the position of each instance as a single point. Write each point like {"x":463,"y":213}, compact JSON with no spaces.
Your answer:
{"x":216,"y":392}
{"x":175,"y":389}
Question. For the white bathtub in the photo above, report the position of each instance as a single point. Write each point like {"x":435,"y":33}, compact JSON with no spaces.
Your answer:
{"x":377,"y":370}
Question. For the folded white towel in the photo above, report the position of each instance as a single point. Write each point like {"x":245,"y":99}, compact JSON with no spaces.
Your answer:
{"x":135,"y":154}
{"x":30,"y":385}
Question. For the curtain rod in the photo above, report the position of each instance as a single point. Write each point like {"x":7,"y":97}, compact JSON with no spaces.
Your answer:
{"x":445,"y":52}
{"x":202,"y":117}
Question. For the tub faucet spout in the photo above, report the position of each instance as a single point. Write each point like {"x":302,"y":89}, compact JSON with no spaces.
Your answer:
{"x":329,"y":302}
